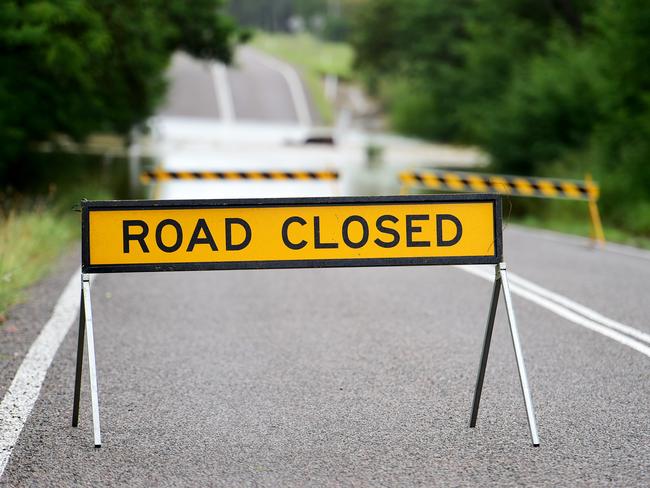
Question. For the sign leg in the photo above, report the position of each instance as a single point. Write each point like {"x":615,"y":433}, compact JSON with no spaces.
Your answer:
{"x":598,"y":235}
{"x":80,"y":361}
{"x":596,"y":224}
{"x":486,"y":347}
{"x":94,"y":397}
{"x":523,"y":378}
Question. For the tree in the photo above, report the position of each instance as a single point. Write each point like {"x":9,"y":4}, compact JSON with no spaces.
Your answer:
{"x":457,"y":63}
{"x":541,"y":85}
{"x":271,"y":15}
{"x":621,"y":140}
{"x":80,"y":66}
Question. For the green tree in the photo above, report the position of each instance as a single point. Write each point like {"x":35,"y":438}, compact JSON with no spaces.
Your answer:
{"x":80,"y":66}
{"x":270,"y":15}
{"x":48,"y":53}
{"x":528,"y":82}
{"x":620,"y":142}
{"x":541,"y":85}
{"x":458,"y":63}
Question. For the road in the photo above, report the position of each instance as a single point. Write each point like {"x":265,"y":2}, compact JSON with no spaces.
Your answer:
{"x":339,"y":377}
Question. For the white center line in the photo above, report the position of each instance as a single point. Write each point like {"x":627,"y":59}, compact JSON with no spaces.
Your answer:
{"x":570,"y":310}
{"x":223,"y":93}
{"x":21,"y":396}
{"x":580,"y":309}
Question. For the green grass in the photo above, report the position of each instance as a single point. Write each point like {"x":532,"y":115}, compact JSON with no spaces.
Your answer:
{"x":582,"y":228}
{"x":34,"y":232}
{"x":314,"y":58}
{"x":568,"y":217}
{"x":37,"y":220}
{"x":30,"y":241}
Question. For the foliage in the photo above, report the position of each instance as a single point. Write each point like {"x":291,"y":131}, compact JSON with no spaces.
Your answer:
{"x":324,"y":58}
{"x":81,"y":66}
{"x":549,"y":108}
{"x":327,"y":19}
{"x":620,"y":145}
{"x":264,"y":14}
{"x":23,"y":257}
{"x":34,"y":230}
{"x":557,"y":87}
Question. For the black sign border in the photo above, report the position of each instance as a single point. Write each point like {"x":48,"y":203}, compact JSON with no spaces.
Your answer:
{"x":89,"y":205}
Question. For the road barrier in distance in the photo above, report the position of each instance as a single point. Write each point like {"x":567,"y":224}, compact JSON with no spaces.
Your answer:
{"x":586,"y":190}
{"x":148,"y":177}
{"x":177,"y":235}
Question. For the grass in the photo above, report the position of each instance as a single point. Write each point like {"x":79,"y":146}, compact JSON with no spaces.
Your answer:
{"x":583,"y":229}
{"x":568,"y":217}
{"x":30,"y":241}
{"x":34,"y":232}
{"x":37,"y":222}
{"x":314,"y":58}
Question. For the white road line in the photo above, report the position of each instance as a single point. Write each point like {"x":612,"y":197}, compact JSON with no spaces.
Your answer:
{"x":223,"y":93}
{"x":21,"y":396}
{"x":518,"y":287}
{"x":580,"y":309}
{"x":295,"y":86}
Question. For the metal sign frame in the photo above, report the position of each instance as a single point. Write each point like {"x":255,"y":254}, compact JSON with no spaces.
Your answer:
{"x":85,"y":334}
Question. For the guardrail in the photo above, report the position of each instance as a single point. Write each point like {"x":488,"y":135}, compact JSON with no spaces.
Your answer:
{"x":585,"y":190}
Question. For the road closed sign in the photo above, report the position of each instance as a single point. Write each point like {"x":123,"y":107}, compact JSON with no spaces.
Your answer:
{"x":176,"y":235}
{"x":173,"y":235}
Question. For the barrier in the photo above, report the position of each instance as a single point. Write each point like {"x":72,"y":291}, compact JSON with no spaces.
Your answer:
{"x":168,"y":235}
{"x":148,"y":177}
{"x":585,"y":190}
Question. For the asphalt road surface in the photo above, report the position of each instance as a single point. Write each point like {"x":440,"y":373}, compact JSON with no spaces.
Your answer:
{"x":254,"y":88}
{"x":346,"y":377}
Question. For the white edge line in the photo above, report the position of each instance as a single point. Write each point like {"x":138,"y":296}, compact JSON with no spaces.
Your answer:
{"x":222,"y":90}
{"x":295,"y":86}
{"x":23,"y":392}
{"x":563,"y":312}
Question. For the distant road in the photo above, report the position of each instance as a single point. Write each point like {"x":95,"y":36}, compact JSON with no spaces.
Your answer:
{"x":344,"y":377}
{"x":255,"y":88}
{"x":192,"y":89}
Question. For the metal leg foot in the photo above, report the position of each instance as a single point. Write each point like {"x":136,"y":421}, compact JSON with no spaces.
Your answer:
{"x":92,"y":369}
{"x":86,"y":329}
{"x":521,"y":367}
{"x":80,"y":362}
{"x":486,"y":347}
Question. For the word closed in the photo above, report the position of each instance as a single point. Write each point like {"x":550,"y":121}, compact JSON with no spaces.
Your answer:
{"x":282,"y":233}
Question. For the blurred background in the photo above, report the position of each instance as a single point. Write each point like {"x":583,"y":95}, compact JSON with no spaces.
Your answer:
{"x":93,"y":93}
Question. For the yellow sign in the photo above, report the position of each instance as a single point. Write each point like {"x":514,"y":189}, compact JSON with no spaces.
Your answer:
{"x":176,"y":235}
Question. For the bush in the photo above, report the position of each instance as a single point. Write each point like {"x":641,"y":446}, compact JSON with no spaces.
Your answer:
{"x":550,"y":109}
{"x":83,"y":66}
{"x":547,"y":88}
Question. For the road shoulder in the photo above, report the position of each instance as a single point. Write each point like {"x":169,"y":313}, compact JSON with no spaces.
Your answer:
{"x":26,"y":319}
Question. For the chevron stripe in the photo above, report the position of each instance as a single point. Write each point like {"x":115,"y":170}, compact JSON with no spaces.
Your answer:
{"x":503,"y":184}
{"x":148,"y":177}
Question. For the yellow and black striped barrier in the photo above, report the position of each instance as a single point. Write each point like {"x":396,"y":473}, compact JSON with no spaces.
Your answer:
{"x":506,"y":185}
{"x":586,"y":190}
{"x":158,"y":175}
